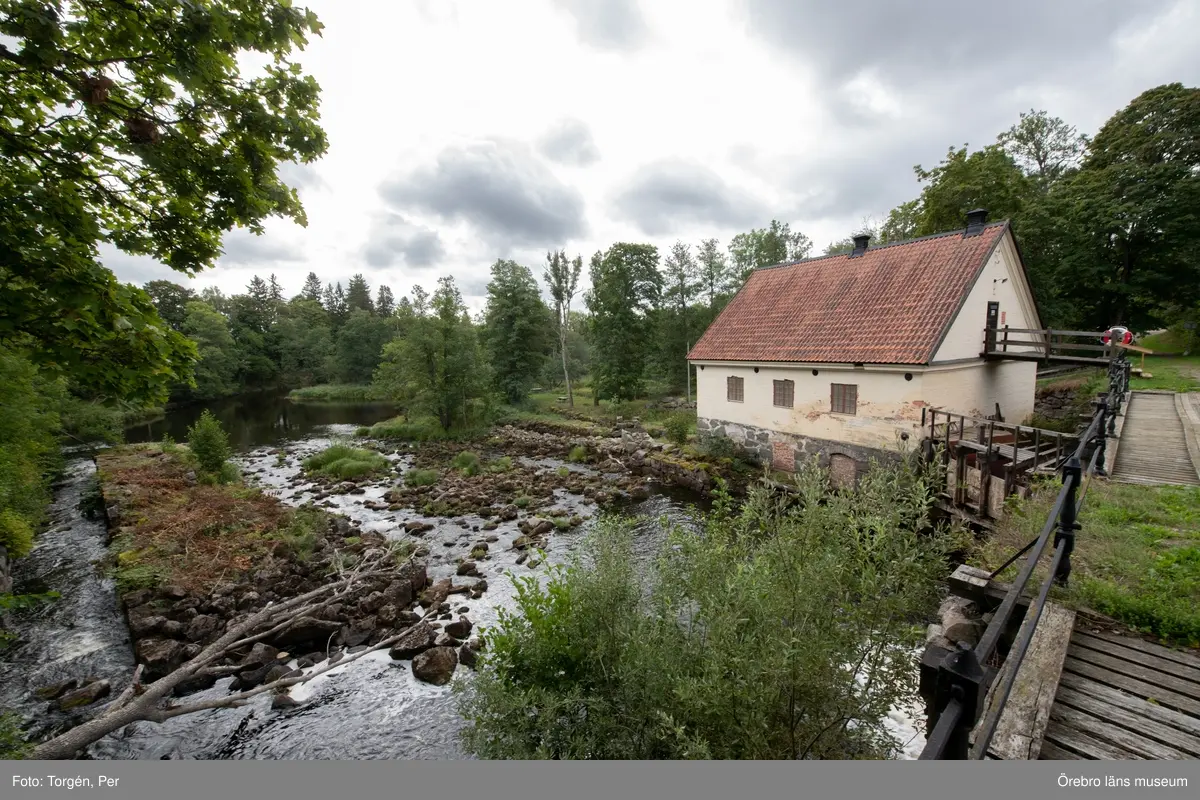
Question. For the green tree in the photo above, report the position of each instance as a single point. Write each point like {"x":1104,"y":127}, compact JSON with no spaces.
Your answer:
{"x":335,"y":304}
{"x":764,"y":247}
{"x":209,"y":443}
{"x":562,"y":279}
{"x":359,"y":347}
{"x":170,"y":300}
{"x":769,"y":631}
{"x":385,"y":302}
{"x":517,"y":329}
{"x":358,"y":295}
{"x":312,"y":288}
{"x":217,"y":366}
{"x":987,"y":178}
{"x":437,"y":367}
{"x":714,"y":272}
{"x":1044,"y":147}
{"x":305,"y":343}
{"x":1131,"y":215}
{"x":133,"y":125}
{"x":626,"y":286}
{"x":901,"y":223}
{"x":681,"y":284}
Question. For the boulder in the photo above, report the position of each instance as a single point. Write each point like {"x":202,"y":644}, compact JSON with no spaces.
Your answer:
{"x":460,"y":628}
{"x":468,"y":568}
{"x":437,"y":593}
{"x":204,"y":628}
{"x":84,"y":695}
{"x":160,"y":655}
{"x":509,"y":512}
{"x":145,"y":625}
{"x":446,"y":640}
{"x":416,"y":641}
{"x":283,"y":701}
{"x":260,"y":655}
{"x":435,"y":666}
{"x":54,"y":690}
{"x":307,"y":632}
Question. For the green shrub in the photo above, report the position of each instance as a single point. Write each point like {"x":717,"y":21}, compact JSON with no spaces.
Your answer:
{"x":13,"y":745}
{"x":16,"y":534}
{"x":168,"y":444}
{"x":345,"y":462}
{"x":302,"y":531}
{"x":594,"y":663}
{"x":208,"y":443}
{"x":402,"y":430}
{"x":134,"y":576}
{"x":578,"y":454}
{"x":522,"y":501}
{"x":421,"y":477}
{"x":678,"y":426}
{"x":467,"y":463}
{"x":229,"y":473}
{"x":338,"y":393}
{"x":502,"y":464}
{"x":714,"y":446}
{"x":563,"y":472}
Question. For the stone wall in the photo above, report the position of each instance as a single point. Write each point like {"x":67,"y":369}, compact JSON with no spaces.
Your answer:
{"x":786,"y":451}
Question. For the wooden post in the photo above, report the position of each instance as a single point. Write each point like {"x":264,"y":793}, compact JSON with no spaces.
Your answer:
{"x":1006,"y":338}
{"x":1037,"y":448}
{"x":985,"y":475}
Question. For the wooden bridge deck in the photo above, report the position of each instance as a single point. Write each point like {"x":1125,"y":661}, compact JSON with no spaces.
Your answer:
{"x":1153,"y":448}
{"x":1121,"y":698}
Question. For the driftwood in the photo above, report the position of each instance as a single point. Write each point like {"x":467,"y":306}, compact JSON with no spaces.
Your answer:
{"x":150,"y":703}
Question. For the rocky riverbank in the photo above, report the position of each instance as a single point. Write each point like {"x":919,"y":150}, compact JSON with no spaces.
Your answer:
{"x":191,"y":560}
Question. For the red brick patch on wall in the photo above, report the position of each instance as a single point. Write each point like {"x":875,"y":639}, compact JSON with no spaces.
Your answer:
{"x":783,"y":456}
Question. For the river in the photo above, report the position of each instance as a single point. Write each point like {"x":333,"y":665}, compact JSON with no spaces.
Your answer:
{"x":371,"y":709}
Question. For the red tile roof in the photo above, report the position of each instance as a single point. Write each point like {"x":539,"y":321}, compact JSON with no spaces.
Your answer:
{"x":890,"y":305}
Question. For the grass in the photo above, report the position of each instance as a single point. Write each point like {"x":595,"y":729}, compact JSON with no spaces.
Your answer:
{"x":421,"y":477}
{"x":427,"y":429}
{"x":578,"y":454}
{"x":502,"y":464}
{"x":338,"y":393}
{"x":345,"y":462}
{"x":1136,"y":558}
{"x":1170,"y":374}
{"x":1170,"y":342}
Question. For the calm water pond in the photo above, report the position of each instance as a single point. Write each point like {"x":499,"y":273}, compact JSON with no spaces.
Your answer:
{"x":263,"y":419}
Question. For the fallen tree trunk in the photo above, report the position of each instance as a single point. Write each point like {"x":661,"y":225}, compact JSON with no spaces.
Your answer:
{"x":149,"y":703}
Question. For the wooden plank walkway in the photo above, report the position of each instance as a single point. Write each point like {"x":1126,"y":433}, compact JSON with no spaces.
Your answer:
{"x":1122,"y":698}
{"x":1153,"y":447}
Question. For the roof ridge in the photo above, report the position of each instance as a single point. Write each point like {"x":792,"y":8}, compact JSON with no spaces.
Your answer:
{"x":899,"y":243}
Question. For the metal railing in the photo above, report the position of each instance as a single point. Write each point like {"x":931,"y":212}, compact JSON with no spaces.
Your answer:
{"x":963,"y":682}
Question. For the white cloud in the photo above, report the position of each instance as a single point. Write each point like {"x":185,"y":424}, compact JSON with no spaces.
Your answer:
{"x":815,"y":118}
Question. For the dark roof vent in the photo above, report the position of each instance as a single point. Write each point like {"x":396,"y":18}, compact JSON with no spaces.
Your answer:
{"x":976,"y":220}
{"x":860,"y":244}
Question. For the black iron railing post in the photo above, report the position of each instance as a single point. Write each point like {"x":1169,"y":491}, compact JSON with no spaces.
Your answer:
{"x":1102,"y":434}
{"x":1072,"y":473}
{"x":960,"y":677}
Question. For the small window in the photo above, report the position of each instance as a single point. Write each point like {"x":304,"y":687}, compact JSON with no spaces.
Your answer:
{"x":844,"y":398}
{"x":784,"y":393}
{"x":735,"y":389}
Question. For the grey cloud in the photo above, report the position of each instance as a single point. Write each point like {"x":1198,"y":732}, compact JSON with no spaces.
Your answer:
{"x":243,"y":247}
{"x":394,"y":238}
{"x":570,"y":142}
{"x":300,"y":176}
{"x":671,"y":192}
{"x":608,"y":24}
{"x":500,"y":188}
{"x":918,"y":41}
{"x":138,"y":270}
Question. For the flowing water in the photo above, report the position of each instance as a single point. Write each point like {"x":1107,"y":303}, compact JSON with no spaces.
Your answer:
{"x":370,"y":709}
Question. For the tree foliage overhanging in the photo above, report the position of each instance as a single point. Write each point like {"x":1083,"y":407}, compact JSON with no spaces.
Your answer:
{"x":132,"y":125}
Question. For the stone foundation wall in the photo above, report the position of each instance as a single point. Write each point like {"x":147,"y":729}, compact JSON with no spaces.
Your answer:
{"x":786,"y":451}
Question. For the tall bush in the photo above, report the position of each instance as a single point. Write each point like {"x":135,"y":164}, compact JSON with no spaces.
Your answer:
{"x":774,"y":631}
{"x":208,"y":443}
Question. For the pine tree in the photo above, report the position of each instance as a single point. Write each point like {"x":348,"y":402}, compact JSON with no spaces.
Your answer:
{"x":385,"y":303}
{"x":562,"y":278}
{"x":358,"y":295}
{"x":312,"y":288}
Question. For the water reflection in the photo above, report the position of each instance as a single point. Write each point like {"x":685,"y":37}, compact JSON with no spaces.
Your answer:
{"x":262,"y":419}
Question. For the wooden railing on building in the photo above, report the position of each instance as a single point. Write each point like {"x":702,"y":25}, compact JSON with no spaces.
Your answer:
{"x":1047,"y":344}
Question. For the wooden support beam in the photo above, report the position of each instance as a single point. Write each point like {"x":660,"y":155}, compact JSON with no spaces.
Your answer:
{"x":1026,"y":714}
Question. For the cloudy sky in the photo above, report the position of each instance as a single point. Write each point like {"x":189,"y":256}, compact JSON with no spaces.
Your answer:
{"x":462,"y":131}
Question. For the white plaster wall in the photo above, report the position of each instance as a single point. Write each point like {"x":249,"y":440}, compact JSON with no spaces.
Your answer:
{"x":974,"y":389}
{"x":887,"y":403}
{"x":1002,"y":280}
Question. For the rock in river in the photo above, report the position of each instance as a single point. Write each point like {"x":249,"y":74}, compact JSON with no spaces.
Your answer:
{"x":435,"y":666}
